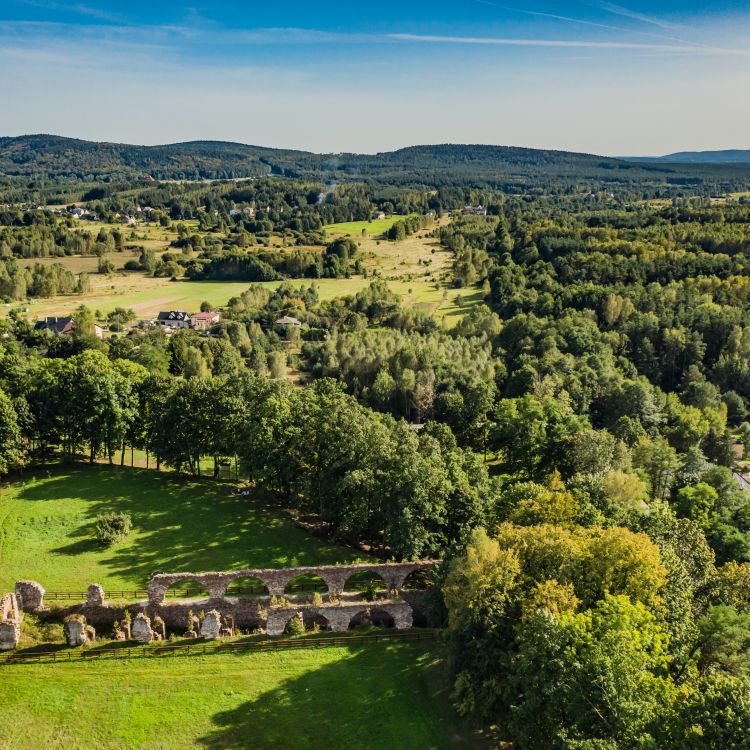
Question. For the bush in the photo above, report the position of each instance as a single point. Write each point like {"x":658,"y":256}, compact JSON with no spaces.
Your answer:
{"x":112,"y":527}
{"x":294,"y":627}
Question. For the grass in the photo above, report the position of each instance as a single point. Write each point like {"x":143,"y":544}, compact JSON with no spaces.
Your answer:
{"x":385,"y":696}
{"x":47,"y":524}
{"x":373,"y":228}
{"x":415,"y":268}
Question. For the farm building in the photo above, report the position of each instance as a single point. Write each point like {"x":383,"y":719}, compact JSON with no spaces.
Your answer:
{"x":202,"y":321}
{"x":174,"y":319}
{"x":63,"y":326}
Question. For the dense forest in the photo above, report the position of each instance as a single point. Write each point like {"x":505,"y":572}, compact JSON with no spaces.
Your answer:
{"x":571,"y":447}
{"x":511,"y":169}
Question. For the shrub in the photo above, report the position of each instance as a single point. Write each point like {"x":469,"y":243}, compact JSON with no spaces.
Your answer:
{"x":294,"y":627}
{"x":112,"y":527}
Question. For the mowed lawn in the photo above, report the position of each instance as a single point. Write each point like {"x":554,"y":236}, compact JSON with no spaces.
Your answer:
{"x":47,"y":529}
{"x":384,"y":696}
{"x":375,"y":227}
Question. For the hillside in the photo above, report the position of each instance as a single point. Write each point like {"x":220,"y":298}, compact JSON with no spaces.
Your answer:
{"x":727,"y":156}
{"x":503,"y":167}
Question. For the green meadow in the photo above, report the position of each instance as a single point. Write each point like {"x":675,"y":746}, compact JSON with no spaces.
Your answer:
{"x":385,"y":696}
{"x":375,"y":227}
{"x":179,"y":524}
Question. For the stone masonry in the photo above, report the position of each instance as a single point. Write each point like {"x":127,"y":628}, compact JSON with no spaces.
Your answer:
{"x":151,"y":618}
{"x":10,"y":622}
{"x":338,"y":616}
{"x":277,"y":579}
{"x":30,"y":596}
{"x":95,"y":595}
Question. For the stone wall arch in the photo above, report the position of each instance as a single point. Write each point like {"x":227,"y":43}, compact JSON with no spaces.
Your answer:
{"x":246,"y":586}
{"x":186,"y":590}
{"x":378,"y":617}
{"x":356,"y":581}
{"x":278,"y":619}
{"x":306,"y":583}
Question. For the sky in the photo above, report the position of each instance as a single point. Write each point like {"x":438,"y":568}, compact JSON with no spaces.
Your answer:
{"x":644,"y":78}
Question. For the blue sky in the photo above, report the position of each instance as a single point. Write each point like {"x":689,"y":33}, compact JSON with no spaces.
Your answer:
{"x":641,"y":78}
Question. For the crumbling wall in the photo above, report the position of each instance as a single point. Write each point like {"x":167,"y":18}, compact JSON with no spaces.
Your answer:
{"x":338,"y":616}
{"x":10,"y":622}
{"x":255,"y":612}
{"x":30,"y":595}
{"x":277,"y":579}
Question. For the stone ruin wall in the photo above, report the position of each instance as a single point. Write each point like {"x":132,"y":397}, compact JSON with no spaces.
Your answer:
{"x":10,"y":622}
{"x":247,"y":613}
{"x":277,"y":579}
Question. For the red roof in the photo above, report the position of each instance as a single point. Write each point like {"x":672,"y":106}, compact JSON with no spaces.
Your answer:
{"x":205,"y":315}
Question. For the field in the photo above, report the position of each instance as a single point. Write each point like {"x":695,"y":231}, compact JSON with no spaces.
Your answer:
{"x":373,"y":228}
{"x":385,"y":696}
{"x":47,"y":523}
{"x":415,"y":268}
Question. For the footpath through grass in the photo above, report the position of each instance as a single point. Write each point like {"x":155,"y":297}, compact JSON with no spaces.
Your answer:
{"x":47,"y":529}
{"x":385,"y":696}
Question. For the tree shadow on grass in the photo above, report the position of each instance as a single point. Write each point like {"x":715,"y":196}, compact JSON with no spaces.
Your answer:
{"x":382,"y":697}
{"x":179,"y":524}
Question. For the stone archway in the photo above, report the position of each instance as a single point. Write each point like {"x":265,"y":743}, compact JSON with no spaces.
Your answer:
{"x":244,"y":587}
{"x":376,"y":617}
{"x":366,"y":580}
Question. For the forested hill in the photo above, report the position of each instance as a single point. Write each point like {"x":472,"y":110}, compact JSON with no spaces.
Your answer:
{"x":507,"y":168}
{"x":731,"y":156}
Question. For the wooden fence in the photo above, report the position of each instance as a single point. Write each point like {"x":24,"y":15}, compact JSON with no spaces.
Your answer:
{"x":121,"y":651}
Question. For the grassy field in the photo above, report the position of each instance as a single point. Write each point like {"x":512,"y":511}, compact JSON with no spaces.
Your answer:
{"x":416,"y":268}
{"x":373,"y":228}
{"x":47,"y":524}
{"x":384,"y":696}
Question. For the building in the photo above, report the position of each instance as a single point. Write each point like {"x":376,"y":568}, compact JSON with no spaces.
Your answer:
{"x":475,"y":210}
{"x":63,"y":326}
{"x":379,"y":215}
{"x":174,"y":319}
{"x":202,"y":321}
{"x":287,"y":322}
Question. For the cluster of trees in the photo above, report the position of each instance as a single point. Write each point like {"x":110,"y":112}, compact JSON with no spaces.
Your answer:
{"x":39,"y":280}
{"x":566,"y":636}
{"x":404,"y":228}
{"x":337,"y":260}
{"x":366,"y":475}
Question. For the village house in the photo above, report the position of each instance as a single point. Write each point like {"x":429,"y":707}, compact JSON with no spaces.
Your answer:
{"x":475,"y":210}
{"x":81,"y":213}
{"x":63,"y":326}
{"x":202,"y":321}
{"x":174,"y":319}
{"x":287,"y":322}
{"x":379,"y":215}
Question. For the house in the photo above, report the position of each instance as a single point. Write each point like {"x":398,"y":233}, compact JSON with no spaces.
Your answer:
{"x":475,"y":210}
{"x":129,"y":220}
{"x":174,"y":319}
{"x":379,"y":215}
{"x":202,"y":321}
{"x":80,"y":213}
{"x":287,"y":322}
{"x":63,"y":326}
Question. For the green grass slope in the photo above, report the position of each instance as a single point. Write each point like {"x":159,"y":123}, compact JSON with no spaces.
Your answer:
{"x":385,"y":696}
{"x":47,"y":529}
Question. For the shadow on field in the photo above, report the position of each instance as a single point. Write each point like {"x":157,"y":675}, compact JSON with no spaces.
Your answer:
{"x":179,"y":524}
{"x":388,"y":698}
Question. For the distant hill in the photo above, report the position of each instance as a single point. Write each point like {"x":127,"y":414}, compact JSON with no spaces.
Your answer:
{"x":504,"y":167}
{"x":729,"y":156}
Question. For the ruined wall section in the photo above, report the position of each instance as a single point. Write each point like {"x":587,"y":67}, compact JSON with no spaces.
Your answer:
{"x":277,"y":579}
{"x":10,"y":622}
